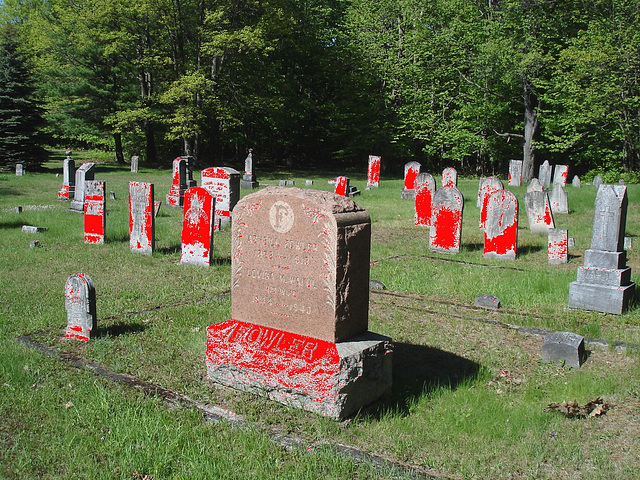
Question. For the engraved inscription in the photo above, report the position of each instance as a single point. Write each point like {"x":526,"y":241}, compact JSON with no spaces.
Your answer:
{"x":281,"y":217}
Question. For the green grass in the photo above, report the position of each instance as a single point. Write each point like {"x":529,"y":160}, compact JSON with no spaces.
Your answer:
{"x":468,"y":398}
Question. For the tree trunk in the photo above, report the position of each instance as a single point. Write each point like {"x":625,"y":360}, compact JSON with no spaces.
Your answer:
{"x":117,"y":137}
{"x":530,"y":130}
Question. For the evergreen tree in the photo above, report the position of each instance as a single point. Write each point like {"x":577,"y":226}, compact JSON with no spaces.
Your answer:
{"x":21,"y":118}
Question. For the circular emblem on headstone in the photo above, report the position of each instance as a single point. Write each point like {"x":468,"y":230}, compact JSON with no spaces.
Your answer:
{"x":281,"y":217}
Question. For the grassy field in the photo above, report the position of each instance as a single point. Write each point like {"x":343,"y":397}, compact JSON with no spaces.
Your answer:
{"x":469,"y":396}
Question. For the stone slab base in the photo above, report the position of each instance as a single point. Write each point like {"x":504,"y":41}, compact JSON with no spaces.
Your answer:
{"x":600,"y":298}
{"x":244,"y":184}
{"x":332,"y":379}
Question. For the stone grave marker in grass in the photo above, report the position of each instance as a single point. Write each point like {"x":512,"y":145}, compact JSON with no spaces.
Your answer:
{"x":68,"y":179}
{"x":604,"y":282}
{"x":341,"y":186}
{"x":299,"y":304}
{"x":597,"y":181}
{"x":175,"y":197}
{"x":489,"y":186}
{"x":80,"y":303}
{"x":84,"y":173}
{"x":197,"y":227}
{"x":544,"y":173}
{"x":224,"y":184}
{"x":411,"y":171}
{"x":558,"y":241}
{"x":564,"y":348}
{"x":446,"y":220}
{"x":449,"y":177}
{"x":538,"y":208}
{"x":501,"y":227}
{"x":560,"y":173}
{"x":534,"y":186}
{"x":249,"y":178}
{"x":515,"y":173}
{"x":576,"y":181}
{"x":141,"y":218}
{"x":134,"y":163}
{"x":95,"y":212}
{"x":373,"y":170}
{"x":425,"y":189}
{"x":19,"y":170}
{"x":558,"y":199}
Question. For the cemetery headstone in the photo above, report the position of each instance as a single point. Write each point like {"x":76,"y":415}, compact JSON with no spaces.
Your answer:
{"x":544,"y":174}
{"x":373,"y":170}
{"x":141,"y":218}
{"x":18,"y":209}
{"x":95,"y":214}
{"x":84,"y":173}
{"x":19,"y":170}
{"x":308,"y":183}
{"x":501,"y":227}
{"x":33,"y":229}
{"x":80,"y":303}
{"x":189,"y":164}
{"x":487,"y":301}
{"x":559,"y":199}
{"x":576,"y":181}
{"x":558,"y":245}
{"x":491,"y":185}
{"x":604,"y":282}
{"x":425,"y":189}
{"x":353,"y":191}
{"x":299,"y":304}
{"x":449,"y":177}
{"x":411,"y":171}
{"x":249,"y":178}
{"x":197,"y":227}
{"x":597,"y":181}
{"x":564,"y":348}
{"x":534,"y":186}
{"x":67,"y":189}
{"x":560,"y":173}
{"x":134,"y":163}
{"x":515,"y":172}
{"x":538,"y":208}
{"x":446,"y":220}
{"x":175,"y":197}
{"x":224,"y":184}
{"x":628,"y":242}
{"x":341,"y":187}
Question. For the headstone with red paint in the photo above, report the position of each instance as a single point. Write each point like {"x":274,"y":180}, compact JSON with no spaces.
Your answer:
{"x":449,"y":177}
{"x":373,"y":170}
{"x":197,"y":227}
{"x":80,"y":303}
{"x":515,"y":173}
{"x":558,"y":245}
{"x":446,"y":220}
{"x":538,"y":208}
{"x":604,"y":282}
{"x":67,"y":189}
{"x":560,"y":173}
{"x":501,"y":228}
{"x":141,"y":218}
{"x":84,"y":173}
{"x":544,"y":173}
{"x":249,"y":178}
{"x":491,"y":185}
{"x":425,"y":189}
{"x":224,"y":184}
{"x":175,"y":197}
{"x":95,"y":214}
{"x":341,"y":186}
{"x":534,"y":186}
{"x":559,"y":199}
{"x":299,"y":304}
{"x":411,"y":171}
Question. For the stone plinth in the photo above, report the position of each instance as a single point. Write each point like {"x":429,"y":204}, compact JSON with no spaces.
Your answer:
{"x":564,"y":348}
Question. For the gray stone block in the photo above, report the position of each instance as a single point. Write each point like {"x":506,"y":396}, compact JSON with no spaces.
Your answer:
{"x":564,"y":348}
{"x":376,"y":285}
{"x":33,"y":229}
{"x":600,"y":298}
{"x":607,"y":260}
{"x":603,"y":276}
{"x":487,"y":301}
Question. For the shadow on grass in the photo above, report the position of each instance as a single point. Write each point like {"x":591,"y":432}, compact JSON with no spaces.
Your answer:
{"x":169,"y":250}
{"x":526,"y":249}
{"x":420,"y":370}
{"x":10,"y":225}
{"x":119,"y":329}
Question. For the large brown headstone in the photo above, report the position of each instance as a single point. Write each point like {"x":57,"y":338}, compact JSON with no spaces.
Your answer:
{"x":301,"y":263}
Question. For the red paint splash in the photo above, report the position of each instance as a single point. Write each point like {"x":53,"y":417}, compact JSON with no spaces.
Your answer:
{"x":446,"y":229}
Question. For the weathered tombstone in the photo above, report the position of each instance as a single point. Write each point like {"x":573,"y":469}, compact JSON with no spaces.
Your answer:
{"x":628,"y":242}
{"x":80,"y":303}
{"x":449,"y":177}
{"x":224,"y":184}
{"x":425,"y":189}
{"x":373,"y":170}
{"x":197,"y":227}
{"x":341,"y":186}
{"x":299,"y":304}
{"x":84,"y":173}
{"x":501,"y":227}
{"x":249,"y":178}
{"x":560,"y":173}
{"x":308,"y":183}
{"x":576,"y":181}
{"x":156,"y":207}
{"x":188,"y":170}
{"x":487,"y":186}
{"x":19,"y":170}
{"x":282,"y":183}
{"x":604,"y":282}
{"x":33,"y":229}
{"x":134,"y":163}
{"x":534,"y":186}
{"x":95,"y":215}
{"x":515,"y":172}
{"x":353,"y":191}
{"x":175,"y":197}
{"x":487,"y":301}
{"x":68,"y":179}
{"x":446,"y":220}
{"x":538,"y":208}
{"x":559,"y":199}
{"x":597,"y":181}
{"x":141,"y":218}
{"x":544,"y":174}
{"x":492,"y":185}
{"x":558,"y":245}
{"x":481,"y":183}
{"x":564,"y":348}
{"x":411,"y":171}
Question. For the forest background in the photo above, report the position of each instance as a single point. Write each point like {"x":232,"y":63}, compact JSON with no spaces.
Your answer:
{"x":463,"y":83}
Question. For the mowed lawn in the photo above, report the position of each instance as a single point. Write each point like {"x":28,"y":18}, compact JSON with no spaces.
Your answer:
{"x":469,"y":395}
